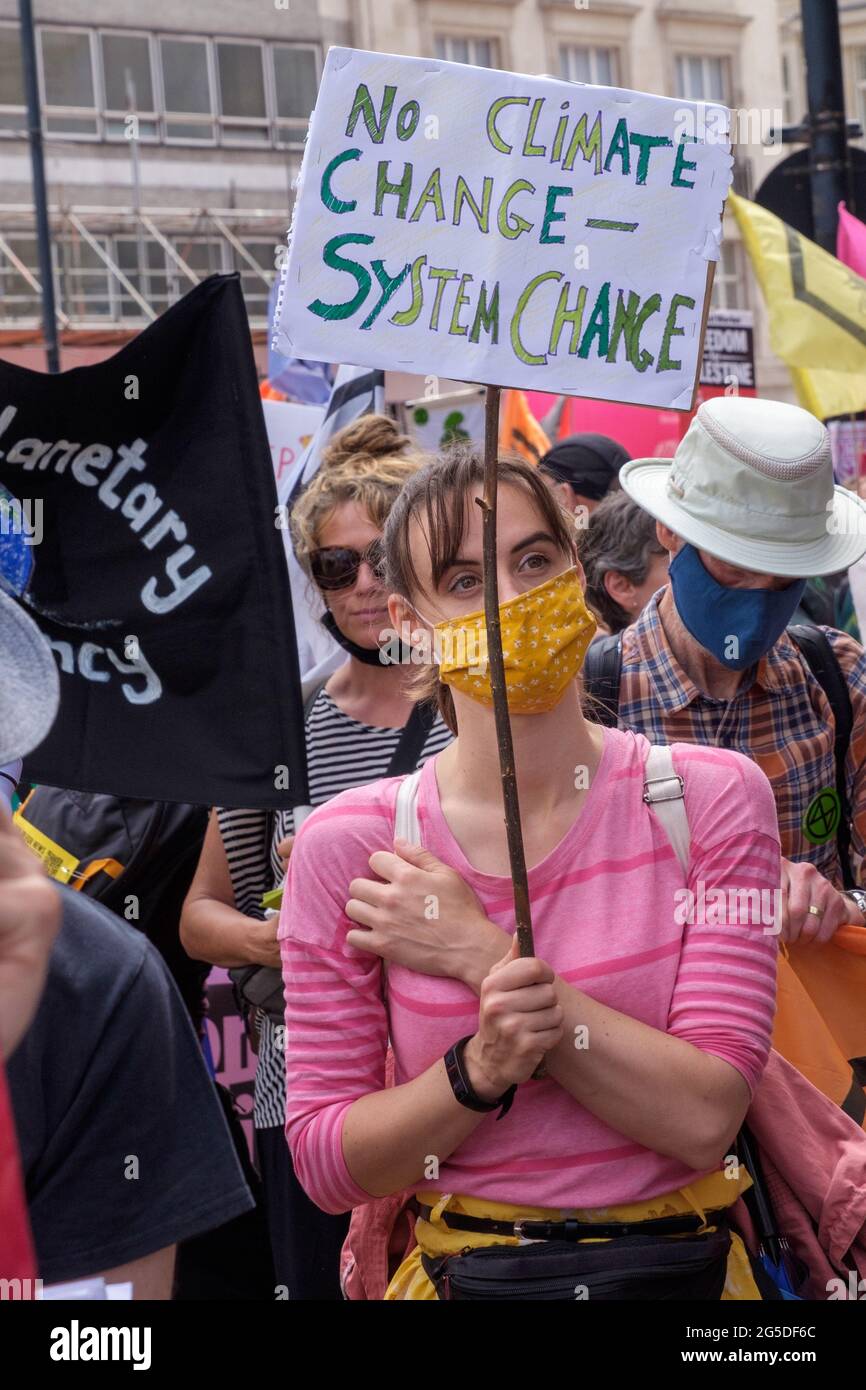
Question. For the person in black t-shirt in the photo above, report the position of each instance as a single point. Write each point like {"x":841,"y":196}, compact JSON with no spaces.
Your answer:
{"x":124,"y":1147}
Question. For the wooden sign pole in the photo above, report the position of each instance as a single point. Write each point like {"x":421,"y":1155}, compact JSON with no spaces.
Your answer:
{"x":516,"y":854}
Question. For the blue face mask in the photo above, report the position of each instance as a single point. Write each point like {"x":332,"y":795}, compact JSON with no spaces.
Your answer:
{"x":737,"y":626}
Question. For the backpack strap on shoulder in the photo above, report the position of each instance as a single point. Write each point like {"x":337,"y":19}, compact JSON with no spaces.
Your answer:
{"x":312,"y":697}
{"x":664,"y":792}
{"x":406,"y":825}
{"x":817,"y":651}
{"x":602,"y":668}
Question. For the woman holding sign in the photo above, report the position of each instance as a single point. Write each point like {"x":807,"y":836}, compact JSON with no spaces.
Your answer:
{"x":652,"y":1029}
{"x":360,"y":724}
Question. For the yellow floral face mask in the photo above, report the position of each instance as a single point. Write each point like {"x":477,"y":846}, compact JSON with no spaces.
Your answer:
{"x":545,"y":634}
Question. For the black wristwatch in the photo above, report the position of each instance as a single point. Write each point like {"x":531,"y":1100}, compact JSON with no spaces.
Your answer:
{"x":462,"y":1086}
{"x":857,"y":896}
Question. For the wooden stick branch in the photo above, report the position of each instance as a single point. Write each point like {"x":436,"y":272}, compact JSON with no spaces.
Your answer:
{"x":516,"y":854}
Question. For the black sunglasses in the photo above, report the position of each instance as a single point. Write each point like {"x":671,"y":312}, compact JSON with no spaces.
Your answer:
{"x":337,"y":566}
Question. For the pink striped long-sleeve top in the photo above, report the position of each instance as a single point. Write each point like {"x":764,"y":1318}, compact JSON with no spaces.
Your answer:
{"x":693,"y":955}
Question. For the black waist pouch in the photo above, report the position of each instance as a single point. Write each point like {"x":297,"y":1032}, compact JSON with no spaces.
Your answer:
{"x":628,"y":1267}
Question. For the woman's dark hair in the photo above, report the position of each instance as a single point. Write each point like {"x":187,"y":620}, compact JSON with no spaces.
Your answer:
{"x":439,"y":497}
{"x":619,"y":536}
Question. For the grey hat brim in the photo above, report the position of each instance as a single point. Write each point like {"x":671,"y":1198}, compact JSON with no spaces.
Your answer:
{"x":645,"y":481}
{"x":29,"y":683}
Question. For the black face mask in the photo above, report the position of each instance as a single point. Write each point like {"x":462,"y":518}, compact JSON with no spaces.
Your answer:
{"x":370,"y":656}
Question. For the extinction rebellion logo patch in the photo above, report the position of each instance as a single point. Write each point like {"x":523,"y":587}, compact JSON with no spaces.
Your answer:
{"x":821,"y":820}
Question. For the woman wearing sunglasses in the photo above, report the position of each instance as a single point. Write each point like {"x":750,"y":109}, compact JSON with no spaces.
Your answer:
{"x":653,"y":1025}
{"x":361,"y":725}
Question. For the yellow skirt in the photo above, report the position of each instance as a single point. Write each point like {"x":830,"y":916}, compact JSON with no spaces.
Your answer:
{"x":435,"y":1238}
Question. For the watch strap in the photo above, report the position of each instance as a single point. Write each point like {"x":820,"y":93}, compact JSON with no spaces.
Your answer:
{"x":462,"y":1086}
{"x":857,"y":896}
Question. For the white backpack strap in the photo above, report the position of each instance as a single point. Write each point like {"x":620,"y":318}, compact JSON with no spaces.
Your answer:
{"x":406,"y":825}
{"x":663,"y":790}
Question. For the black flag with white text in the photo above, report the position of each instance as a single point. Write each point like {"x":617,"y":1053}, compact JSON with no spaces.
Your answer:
{"x":149,"y":554}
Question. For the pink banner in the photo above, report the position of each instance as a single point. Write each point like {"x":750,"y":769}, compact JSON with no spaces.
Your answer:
{"x":851,"y":241}
{"x":233,"y":1059}
{"x":643,"y":430}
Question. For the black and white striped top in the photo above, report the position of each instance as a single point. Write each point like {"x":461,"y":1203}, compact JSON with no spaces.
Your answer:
{"x":341,"y":753}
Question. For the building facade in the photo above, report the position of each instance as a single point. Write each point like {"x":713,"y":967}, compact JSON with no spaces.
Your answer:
{"x":173,"y":134}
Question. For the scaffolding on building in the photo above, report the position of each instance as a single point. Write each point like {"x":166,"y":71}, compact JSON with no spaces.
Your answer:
{"x":116,"y":269}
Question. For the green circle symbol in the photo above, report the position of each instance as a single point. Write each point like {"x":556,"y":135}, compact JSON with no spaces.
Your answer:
{"x":821,"y":820}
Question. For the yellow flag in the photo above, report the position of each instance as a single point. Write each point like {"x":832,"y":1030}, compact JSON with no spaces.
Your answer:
{"x":817,"y":309}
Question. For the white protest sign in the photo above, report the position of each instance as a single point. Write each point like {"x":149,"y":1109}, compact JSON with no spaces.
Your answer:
{"x":500,"y":228}
{"x":290,"y":428}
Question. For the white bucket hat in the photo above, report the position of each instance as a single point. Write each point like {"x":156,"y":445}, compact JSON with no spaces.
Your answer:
{"x":752,"y":483}
{"x":29,"y":683}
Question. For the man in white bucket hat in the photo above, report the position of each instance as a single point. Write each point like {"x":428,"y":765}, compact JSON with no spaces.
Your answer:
{"x":748,"y":510}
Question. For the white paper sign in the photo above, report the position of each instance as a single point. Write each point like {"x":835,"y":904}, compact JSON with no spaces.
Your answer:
{"x":500,"y":228}
{"x":290,"y":428}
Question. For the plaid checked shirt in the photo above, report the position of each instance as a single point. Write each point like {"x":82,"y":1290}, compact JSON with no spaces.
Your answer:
{"x":781,"y":719}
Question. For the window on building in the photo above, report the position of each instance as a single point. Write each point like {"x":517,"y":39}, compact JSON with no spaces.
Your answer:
{"x":455,"y":48}
{"x":181,"y":89}
{"x":203,"y":254}
{"x":255,"y":289}
{"x":85,"y":280}
{"x":296,"y":82}
{"x":596,"y":65}
{"x":702,"y":77}
{"x":13,"y":117}
{"x":68,"y":88}
{"x":186,"y":84}
{"x":242,"y":92}
{"x":142,"y":260}
{"x":18,"y":298}
{"x":787,"y":100}
{"x":729,"y":283}
{"x":127,"y":82}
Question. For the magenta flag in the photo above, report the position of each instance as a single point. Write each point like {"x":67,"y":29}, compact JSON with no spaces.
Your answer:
{"x":851,"y":241}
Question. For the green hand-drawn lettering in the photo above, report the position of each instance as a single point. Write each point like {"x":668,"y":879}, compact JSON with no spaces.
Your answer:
{"x":404,"y":318}
{"x":332,"y":258}
{"x":463,"y":194}
{"x":363,"y":106}
{"x":457,"y":328}
{"x":646,"y":144}
{"x":432,"y":194}
{"x":329,"y":197}
{"x":599,"y":324}
{"x":681,"y":163}
{"x":565,"y":315}
{"x":521,"y":351}
{"x":551,"y":215}
{"x":528,"y":148}
{"x":389,"y":285}
{"x":486,"y":314}
{"x":589,"y":146}
{"x":509,"y":228}
{"x":619,"y":146}
{"x":384,"y":187}
{"x":665,"y":362}
{"x":493,"y":135}
{"x":443,"y":276}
